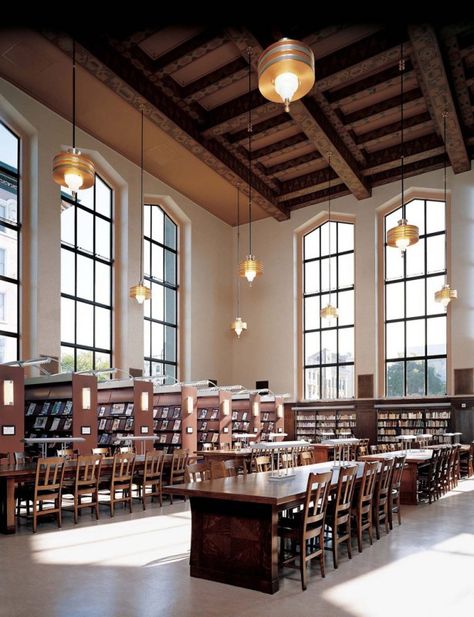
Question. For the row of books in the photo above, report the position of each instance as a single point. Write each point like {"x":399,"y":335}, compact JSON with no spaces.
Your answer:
{"x":167,"y":412}
{"x":208,"y":437}
{"x":116,"y":424}
{"x":240,"y":426}
{"x":172,"y":438}
{"x":49,"y":408}
{"x":240,"y":415}
{"x":116,"y":409}
{"x":203,"y":426}
{"x":203,"y":414}
{"x":52,"y":424}
{"x":107,"y":439}
{"x":167,"y":425}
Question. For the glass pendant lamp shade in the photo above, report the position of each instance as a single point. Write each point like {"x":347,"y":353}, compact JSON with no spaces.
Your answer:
{"x":445,"y":294}
{"x":329,"y":312}
{"x":71,"y":169}
{"x":403,"y":235}
{"x":286,"y":71}
{"x":250,"y":268}
{"x":238,"y":326}
{"x":141,"y":292}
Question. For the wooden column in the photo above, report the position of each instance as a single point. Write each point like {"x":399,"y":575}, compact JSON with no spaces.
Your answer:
{"x":143,"y":412}
{"x":12,"y":417}
{"x":84,"y":417}
{"x":280,"y":414}
{"x":256,"y":418}
{"x":189,"y":420}
{"x":225,"y":418}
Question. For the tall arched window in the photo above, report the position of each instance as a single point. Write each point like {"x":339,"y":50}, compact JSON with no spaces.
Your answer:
{"x":9,"y":244}
{"x":86,"y":278}
{"x":161,"y":312}
{"x":328,"y":345}
{"x":416,"y":325}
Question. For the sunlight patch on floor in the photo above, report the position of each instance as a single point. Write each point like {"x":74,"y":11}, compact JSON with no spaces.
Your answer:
{"x":138,"y":543}
{"x":412,"y":585}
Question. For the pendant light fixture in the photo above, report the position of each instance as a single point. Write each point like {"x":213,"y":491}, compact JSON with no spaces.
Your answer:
{"x":286,"y":71}
{"x":141,"y":292}
{"x":72,"y":169}
{"x":250,"y":267}
{"x":329,"y":311}
{"x":238,"y":325}
{"x":445,"y":294}
{"x":403,"y":235}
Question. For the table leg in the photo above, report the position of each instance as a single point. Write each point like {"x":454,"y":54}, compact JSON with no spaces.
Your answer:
{"x":235,"y":543}
{"x":7,"y":505}
{"x":408,"y":486}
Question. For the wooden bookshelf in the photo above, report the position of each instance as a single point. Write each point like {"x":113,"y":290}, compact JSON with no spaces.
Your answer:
{"x":12,"y":426}
{"x":410,"y":419}
{"x":175,"y":418}
{"x":318,"y":423}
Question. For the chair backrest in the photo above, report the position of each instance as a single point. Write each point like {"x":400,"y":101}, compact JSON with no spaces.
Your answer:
{"x":384,"y":479}
{"x":317,"y":492}
{"x":126,"y":449}
{"x":217,"y":470}
{"x":20,"y":457}
{"x":367,"y":486}
{"x":306,"y":458}
{"x":49,"y":474}
{"x":231,"y":467}
{"x":373,"y":449}
{"x":287,"y":459}
{"x":179,"y":460}
{"x":345,"y":488}
{"x":262,"y":463}
{"x":67,"y":453}
{"x":88,"y":469}
{"x":123,"y":466}
{"x":198,"y":472}
{"x":153,"y":466}
{"x":4,"y":458}
{"x":398,"y":466}
{"x":102,"y":451}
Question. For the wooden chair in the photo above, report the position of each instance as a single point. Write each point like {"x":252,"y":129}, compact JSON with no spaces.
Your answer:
{"x":101,"y":451}
{"x":306,"y":458}
{"x":48,"y":488}
{"x":466,"y":462}
{"x":382,"y":494}
{"x":232,"y":466}
{"x":362,"y":448}
{"x":86,"y":484}
{"x":126,"y":450}
{"x":179,"y":462}
{"x":338,"y":517}
{"x":428,"y":478}
{"x":20,"y":458}
{"x":307,"y":528}
{"x":4,"y":458}
{"x":395,"y":489}
{"x":198,"y":472}
{"x":454,"y":473}
{"x":23,"y":490}
{"x":262,"y":463}
{"x":151,"y":476}
{"x":217,"y":470}
{"x":121,"y":480}
{"x":68,"y":453}
{"x":362,"y":513}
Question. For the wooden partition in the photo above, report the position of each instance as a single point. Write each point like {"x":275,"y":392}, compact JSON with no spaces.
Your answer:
{"x":12,"y":409}
{"x":256,"y":414}
{"x":84,"y":412}
{"x":225,"y":419}
{"x":189,"y":423}
{"x":143,"y":412}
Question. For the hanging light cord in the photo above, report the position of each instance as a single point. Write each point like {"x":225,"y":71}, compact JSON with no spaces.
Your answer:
{"x":74,"y":94}
{"x":238,"y":250}
{"x":142,"y":205}
{"x":401,"y":67}
{"x":445,"y":117}
{"x":249,"y":129}
{"x":329,"y":208}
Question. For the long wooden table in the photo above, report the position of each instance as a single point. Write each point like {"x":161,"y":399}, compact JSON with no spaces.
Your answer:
{"x":235,"y":524}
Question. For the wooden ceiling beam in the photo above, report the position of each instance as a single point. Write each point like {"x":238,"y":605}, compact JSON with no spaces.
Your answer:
{"x":383,"y":106}
{"x":266,"y":127}
{"x":411,"y":169}
{"x":390,"y":130}
{"x":210,"y":83}
{"x":415,"y":146}
{"x":316,"y":197}
{"x":306,"y":181}
{"x":278,"y":146}
{"x":459,"y":76}
{"x":433,"y":80}
{"x":292,"y":163}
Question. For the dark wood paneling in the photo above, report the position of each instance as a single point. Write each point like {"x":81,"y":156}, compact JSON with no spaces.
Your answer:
{"x":463,"y":381}
{"x":365,"y":386}
{"x":84,"y":417}
{"x":13,"y":415}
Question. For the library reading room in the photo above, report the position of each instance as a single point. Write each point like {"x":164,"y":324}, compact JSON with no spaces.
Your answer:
{"x":237,"y":319}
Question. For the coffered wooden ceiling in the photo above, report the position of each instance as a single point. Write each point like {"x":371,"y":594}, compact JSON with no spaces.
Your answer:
{"x":194,"y":84}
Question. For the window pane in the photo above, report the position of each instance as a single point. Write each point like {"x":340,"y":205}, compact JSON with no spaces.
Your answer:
{"x":157,"y":223}
{"x":84,"y":360}
{"x":68,"y":226}
{"x":102,"y":238}
{"x":146,"y":258}
{"x":416,"y":377}
{"x":415,"y":337}
{"x":157,"y":342}
{"x":157,"y":309}
{"x":102,"y":360}
{"x":68,"y":279}
{"x":415,"y":259}
{"x":311,"y":277}
{"x":157,"y":262}
{"x":345,"y":237}
{"x":170,"y":267}
{"x":311,"y":313}
{"x":395,"y":301}
{"x":312,"y":348}
{"x":435,"y":254}
{"x":312,"y":390}
{"x":345,"y":303}
{"x":346,"y":345}
{"x":102,"y":283}
{"x":311,"y":244}
{"x":67,"y":359}
{"x":103,"y":197}
{"x":415,"y":298}
{"x":437,"y":376}
{"x":437,"y":336}
{"x":395,"y":379}
{"x":85,"y":229}
{"x":395,"y":343}
{"x":170,"y":233}
{"x":435,"y":216}
{"x":329,"y":347}
{"x":86,"y":198}
{"x":170,"y":343}
{"x":346,"y":381}
{"x":146,"y":337}
{"x":170,"y":306}
{"x":345,"y":270}
{"x":8,"y":149}
{"x":328,"y":268}
{"x":391,"y":220}
{"x":147,"y":220}
{"x":329,"y":382}
{"x":67,"y":320}
{"x":102,"y":328}
{"x":8,"y":306}
{"x":85,"y":277}
{"x":8,"y":348}
{"x":415,"y":214}
{"x":393,"y":264}
{"x":433,"y":284}
{"x":85,"y":315}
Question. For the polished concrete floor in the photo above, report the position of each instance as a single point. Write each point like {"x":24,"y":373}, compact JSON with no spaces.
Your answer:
{"x":138,"y":566}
